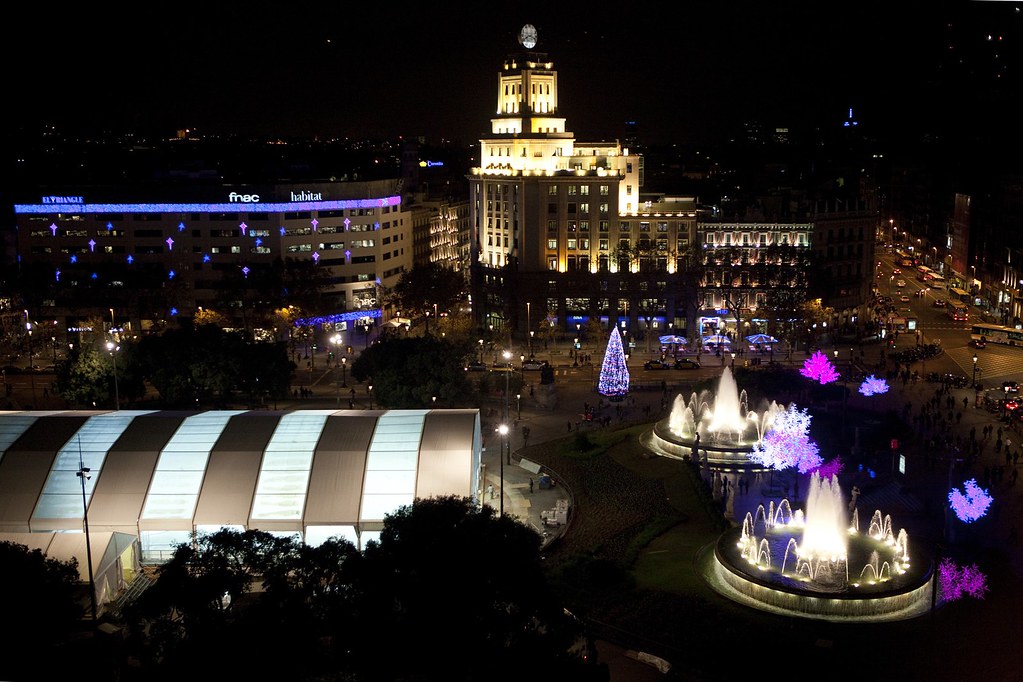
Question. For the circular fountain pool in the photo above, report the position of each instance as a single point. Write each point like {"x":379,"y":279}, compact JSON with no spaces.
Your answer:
{"x":815,"y":563}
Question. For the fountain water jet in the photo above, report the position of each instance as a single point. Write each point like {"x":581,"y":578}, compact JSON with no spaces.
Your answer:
{"x":721,"y":425}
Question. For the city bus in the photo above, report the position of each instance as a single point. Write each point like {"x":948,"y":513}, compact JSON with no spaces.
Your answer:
{"x":959,"y":295}
{"x":922,"y":272}
{"x":957,"y":310}
{"x":996,"y":333}
{"x":935,"y":281}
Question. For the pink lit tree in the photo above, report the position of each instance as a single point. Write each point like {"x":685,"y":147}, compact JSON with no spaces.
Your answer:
{"x":787,"y":443}
{"x":819,"y":368}
{"x":833,"y":467}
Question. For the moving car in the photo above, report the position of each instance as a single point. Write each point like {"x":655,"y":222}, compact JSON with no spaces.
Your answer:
{"x":939,"y":303}
{"x":532,"y":364}
{"x":904,"y":298}
{"x":686,"y":363}
{"x":656,"y":364}
{"x":978,"y":343}
{"x":1010,"y":386}
{"x":901,"y":283}
{"x":896,"y":271}
{"x":476,"y":367}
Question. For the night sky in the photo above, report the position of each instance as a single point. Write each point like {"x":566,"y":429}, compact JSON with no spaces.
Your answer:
{"x":690,"y":72}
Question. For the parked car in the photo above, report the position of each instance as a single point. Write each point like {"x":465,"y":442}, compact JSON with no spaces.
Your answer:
{"x":532,"y":365}
{"x":476,"y":367}
{"x":656,"y":364}
{"x":687,"y":363}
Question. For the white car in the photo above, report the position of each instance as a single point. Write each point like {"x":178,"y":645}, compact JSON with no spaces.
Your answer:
{"x":900,"y":283}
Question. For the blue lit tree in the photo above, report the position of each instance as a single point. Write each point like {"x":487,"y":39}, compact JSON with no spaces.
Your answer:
{"x":614,"y":373}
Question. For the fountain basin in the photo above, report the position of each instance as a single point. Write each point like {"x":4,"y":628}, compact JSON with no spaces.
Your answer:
{"x":905,"y":596}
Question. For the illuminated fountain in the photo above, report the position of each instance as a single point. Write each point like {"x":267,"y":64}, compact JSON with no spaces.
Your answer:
{"x":720,"y":425}
{"x":817,"y":564}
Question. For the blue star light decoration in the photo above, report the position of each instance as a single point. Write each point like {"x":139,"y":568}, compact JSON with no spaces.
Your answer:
{"x":873,"y":386}
{"x":130,"y":259}
{"x":170,"y":275}
{"x":181,"y":227}
{"x":206,"y":258}
{"x":74,"y":258}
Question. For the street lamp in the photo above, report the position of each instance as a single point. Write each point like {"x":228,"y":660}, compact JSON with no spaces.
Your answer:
{"x":733,"y":360}
{"x":113,"y":348}
{"x":503,"y":430}
{"x":974,"y":370}
{"x":575,"y":350}
{"x":84,"y":475}
{"x":531,"y":333}
{"x":507,"y":376}
{"x":481,"y":350}
{"x":518,"y":406}
{"x":369,"y":391}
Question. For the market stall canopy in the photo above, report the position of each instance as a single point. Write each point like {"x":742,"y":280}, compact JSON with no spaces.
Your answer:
{"x":716,"y":339}
{"x":761,"y":338}
{"x":673,"y":339}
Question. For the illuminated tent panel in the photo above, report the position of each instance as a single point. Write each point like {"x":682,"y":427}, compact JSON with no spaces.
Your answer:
{"x":284,"y":474}
{"x":27,"y":463}
{"x":174,"y":488}
{"x":120,"y":492}
{"x":11,"y":429}
{"x":60,"y":507}
{"x":391,"y":463}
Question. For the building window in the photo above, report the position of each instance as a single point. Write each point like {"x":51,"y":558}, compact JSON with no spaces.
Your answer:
{"x":572,"y":190}
{"x":552,"y":244}
{"x":552,"y":225}
{"x":571,"y":244}
{"x":604,"y":190}
{"x":604,"y":225}
{"x":584,"y":190}
{"x":603,"y":245}
{"x":552,"y":263}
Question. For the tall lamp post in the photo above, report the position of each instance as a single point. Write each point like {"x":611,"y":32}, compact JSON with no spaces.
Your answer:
{"x":113,"y":348}
{"x":84,"y":475}
{"x":369,"y":391}
{"x":507,"y":377}
{"x":336,"y":341}
{"x":733,"y":360}
{"x":975,"y":370}
{"x":503,"y":430}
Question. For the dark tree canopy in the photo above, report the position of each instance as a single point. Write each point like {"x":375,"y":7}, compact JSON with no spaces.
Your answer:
{"x":42,"y":606}
{"x":408,"y":372}
{"x":424,"y":286}
{"x":450,"y":592}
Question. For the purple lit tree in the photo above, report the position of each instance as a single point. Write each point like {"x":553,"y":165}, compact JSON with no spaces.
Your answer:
{"x":972,"y":504}
{"x":833,"y":467}
{"x":955,"y":581}
{"x":873,"y":386}
{"x":614,"y":372}
{"x":787,"y":443}
{"x":818,"y":367}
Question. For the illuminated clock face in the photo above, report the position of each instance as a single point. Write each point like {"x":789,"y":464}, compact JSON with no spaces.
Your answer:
{"x":527,"y":36}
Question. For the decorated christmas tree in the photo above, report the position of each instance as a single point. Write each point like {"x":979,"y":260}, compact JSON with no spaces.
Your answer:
{"x":818,"y":367}
{"x":614,"y":373}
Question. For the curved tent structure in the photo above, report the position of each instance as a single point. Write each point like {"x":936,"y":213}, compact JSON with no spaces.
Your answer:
{"x":162,"y":475}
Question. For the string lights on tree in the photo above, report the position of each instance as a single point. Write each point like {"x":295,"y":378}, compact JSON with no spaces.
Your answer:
{"x":971,"y":504}
{"x":819,"y":368}
{"x":614,"y":372}
{"x":787,"y":443}
{"x":873,"y":386}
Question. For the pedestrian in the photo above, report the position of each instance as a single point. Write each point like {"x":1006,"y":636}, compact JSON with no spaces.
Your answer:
{"x":490,"y":491}
{"x":570,"y":426}
{"x":531,"y":485}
